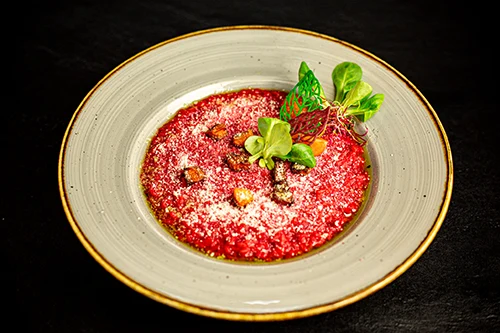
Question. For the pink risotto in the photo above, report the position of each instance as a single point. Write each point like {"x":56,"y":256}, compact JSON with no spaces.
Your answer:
{"x":199,"y":209}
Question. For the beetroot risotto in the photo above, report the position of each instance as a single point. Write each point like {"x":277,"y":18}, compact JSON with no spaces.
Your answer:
{"x":257,"y":175}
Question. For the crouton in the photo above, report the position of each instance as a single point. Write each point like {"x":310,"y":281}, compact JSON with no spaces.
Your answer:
{"x":217,"y":131}
{"x":242,"y":197}
{"x":240,"y":138}
{"x":193,"y":175}
{"x":238,"y":161}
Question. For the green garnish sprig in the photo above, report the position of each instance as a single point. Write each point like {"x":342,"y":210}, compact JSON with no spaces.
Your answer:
{"x":309,"y":112}
{"x":307,"y":95}
{"x":275,"y":141}
{"x":353,"y":95}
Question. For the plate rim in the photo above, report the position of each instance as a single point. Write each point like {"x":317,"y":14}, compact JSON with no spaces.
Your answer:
{"x":275,"y":316}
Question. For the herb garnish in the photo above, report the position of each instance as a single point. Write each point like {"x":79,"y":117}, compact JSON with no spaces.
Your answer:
{"x":276,"y":141}
{"x":306,"y":113}
{"x":345,"y":76}
{"x":353,"y":103}
{"x":352,"y":94}
{"x":307,"y":95}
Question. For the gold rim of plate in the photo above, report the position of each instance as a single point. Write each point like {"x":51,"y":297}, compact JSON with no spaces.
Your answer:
{"x":276,"y":316}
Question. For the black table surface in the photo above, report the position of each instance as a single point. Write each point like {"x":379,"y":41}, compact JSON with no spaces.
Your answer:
{"x":63,"y":48}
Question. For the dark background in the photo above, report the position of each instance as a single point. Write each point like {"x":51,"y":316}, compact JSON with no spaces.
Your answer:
{"x":62,"y":49}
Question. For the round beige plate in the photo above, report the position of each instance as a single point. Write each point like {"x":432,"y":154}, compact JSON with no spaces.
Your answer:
{"x":107,"y":138}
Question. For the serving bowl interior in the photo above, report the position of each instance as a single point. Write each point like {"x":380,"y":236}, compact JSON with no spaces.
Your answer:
{"x":107,"y":138}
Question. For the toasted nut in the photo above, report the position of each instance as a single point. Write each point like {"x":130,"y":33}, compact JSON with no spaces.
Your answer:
{"x":238,"y":161}
{"x":299,"y":169}
{"x":318,"y":146}
{"x":279,"y":171}
{"x":240,"y":138}
{"x":193,"y":175}
{"x":282,"y":194}
{"x":217,"y":131}
{"x":242,"y":196}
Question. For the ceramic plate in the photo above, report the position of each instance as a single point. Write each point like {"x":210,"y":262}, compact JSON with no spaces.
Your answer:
{"x":108,"y":135}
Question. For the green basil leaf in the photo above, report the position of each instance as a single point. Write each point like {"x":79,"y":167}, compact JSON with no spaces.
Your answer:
{"x":266,"y":126}
{"x":302,"y":154}
{"x":368,"y":107}
{"x":279,"y":141}
{"x":275,"y":140}
{"x":345,"y":76}
{"x":357,"y":94}
{"x":254,"y":144}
